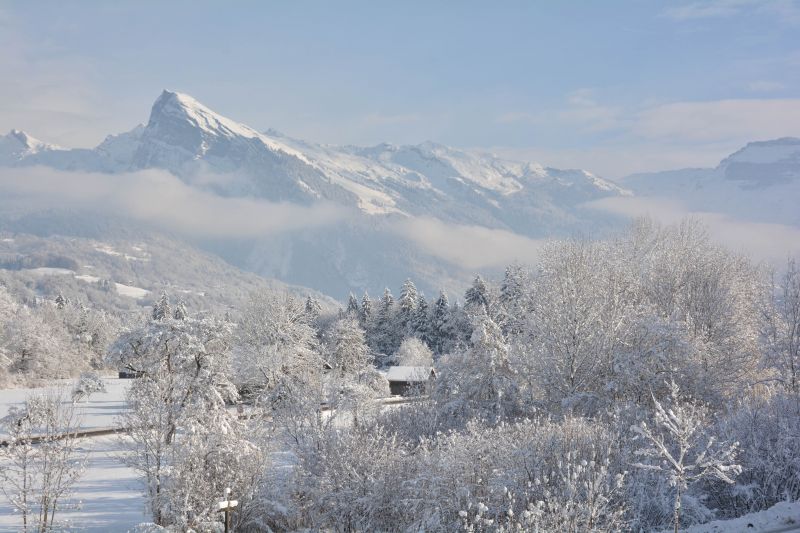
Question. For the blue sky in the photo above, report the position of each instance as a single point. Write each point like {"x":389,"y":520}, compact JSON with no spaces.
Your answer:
{"x":615,"y":87}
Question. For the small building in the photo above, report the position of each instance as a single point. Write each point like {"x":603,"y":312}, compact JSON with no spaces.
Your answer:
{"x":409,"y":380}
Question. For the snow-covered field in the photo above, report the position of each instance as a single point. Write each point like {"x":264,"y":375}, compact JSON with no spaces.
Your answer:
{"x":99,"y":412}
{"x":110,"y":493}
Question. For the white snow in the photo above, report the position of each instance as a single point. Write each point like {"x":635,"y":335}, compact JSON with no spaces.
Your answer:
{"x":408,"y":373}
{"x":131,"y":292}
{"x":100,"y":411}
{"x":110,"y":493}
{"x":784,"y":516}
{"x":49,"y":271}
{"x":106,"y":249}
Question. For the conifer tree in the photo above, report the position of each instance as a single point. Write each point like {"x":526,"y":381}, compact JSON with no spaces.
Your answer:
{"x":365,"y":316}
{"x":439,"y":323}
{"x":162,"y":310}
{"x":353,"y":309}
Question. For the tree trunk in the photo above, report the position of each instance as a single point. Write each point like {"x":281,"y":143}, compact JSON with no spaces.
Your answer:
{"x":676,"y":515}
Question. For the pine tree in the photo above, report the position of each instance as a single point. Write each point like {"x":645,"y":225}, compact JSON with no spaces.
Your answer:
{"x":439,"y":324}
{"x":406,"y":307}
{"x":313,"y":308}
{"x":477,"y":296}
{"x":421,"y":323}
{"x":353,"y":310}
{"x":180,"y":311}
{"x":61,"y":302}
{"x":512,"y":304}
{"x":162,"y":310}
{"x":385,"y":328}
{"x":365,"y":316}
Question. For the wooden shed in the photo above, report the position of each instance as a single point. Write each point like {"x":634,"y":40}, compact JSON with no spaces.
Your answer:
{"x":409,"y":380}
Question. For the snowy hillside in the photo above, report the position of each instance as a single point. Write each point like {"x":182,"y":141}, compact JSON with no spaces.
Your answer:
{"x":760,"y":182}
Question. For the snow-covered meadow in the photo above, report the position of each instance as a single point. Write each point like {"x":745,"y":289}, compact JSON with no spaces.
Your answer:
{"x":108,"y":497}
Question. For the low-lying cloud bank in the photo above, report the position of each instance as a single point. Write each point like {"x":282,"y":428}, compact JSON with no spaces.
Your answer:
{"x":472,"y":247}
{"x":158,"y":197}
{"x":760,"y":240}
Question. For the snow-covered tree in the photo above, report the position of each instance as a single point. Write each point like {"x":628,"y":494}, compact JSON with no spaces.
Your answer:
{"x":365,"y":316}
{"x":480,"y":381}
{"x":162,"y":309}
{"x":677,"y":447}
{"x":413,"y":352}
{"x":180,"y":312}
{"x":313,"y":308}
{"x":384,"y":332}
{"x":353,"y":309}
{"x":185,"y":383}
{"x":88,"y":384}
{"x":477,"y":296}
{"x":406,"y":307}
{"x":782,"y":328}
{"x":345,"y":347}
{"x":440,"y":322}
{"x":277,"y":356}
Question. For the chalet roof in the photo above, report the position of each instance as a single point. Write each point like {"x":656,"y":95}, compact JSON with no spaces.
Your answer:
{"x":408,"y":373}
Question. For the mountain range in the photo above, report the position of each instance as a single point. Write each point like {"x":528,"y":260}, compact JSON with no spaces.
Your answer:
{"x":397,"y":199}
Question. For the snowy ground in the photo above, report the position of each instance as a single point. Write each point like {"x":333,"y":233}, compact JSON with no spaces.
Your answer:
{"x":99,"y":412}
{"x":783,"y":517}
{"x":110,"y":493}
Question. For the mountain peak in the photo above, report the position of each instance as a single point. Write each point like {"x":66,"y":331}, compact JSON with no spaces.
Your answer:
{"x":27,"y":141}
{"x":18,"y":144}
{"x":174,"y":107}
{"x":764,"y":152}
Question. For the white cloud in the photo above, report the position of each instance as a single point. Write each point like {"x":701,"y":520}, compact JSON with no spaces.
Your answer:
{"x":762,"y":241}
{"x":707,"y":9}
{"x":765,"y":86}
{"x":378,"y":119}
{"x":720,"y":120}
{"x":471,"y":247}
{"x":787,"y":11}
{"x":158,"y":197}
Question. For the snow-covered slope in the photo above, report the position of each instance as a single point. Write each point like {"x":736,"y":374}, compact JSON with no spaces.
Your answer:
{"x":760,"y":182}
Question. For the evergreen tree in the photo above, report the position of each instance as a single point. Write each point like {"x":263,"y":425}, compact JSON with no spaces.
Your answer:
{"x":365,"y":317}
{"x":162,"y":310}
{"x":385,"y":333}
{"x":439,"y":323}
{"x":477,"y":296}
{"x":511,"y":314}
{"x":61,"y":302}
{"x":180,"y":311}
{"x":421,"y":323}
{"x":406,"y":307}
{"x":353,"y":310}
{"x":313,"y":308}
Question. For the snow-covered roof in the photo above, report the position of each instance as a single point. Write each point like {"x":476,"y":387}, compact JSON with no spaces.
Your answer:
{"x":408,"y":373}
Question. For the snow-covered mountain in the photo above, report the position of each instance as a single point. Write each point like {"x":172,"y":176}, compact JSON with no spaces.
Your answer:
{"x":18,"y":145}
{"x":379,"y":183}
{"x":188,"y":139}
{"x":760,"y":182}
